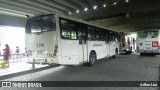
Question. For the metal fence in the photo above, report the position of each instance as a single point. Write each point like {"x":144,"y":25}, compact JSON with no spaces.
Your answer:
{"x":17,"y":57}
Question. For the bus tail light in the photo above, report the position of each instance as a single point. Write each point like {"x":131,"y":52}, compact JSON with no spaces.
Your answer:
{"x":55,"y":50}
{"x":137,"y":47}
{"x":123,"y":39}
{"x":158,"y":45}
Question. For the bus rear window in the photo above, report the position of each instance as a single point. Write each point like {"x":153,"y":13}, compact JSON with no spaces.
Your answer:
{"x":41,"y":24}
{"x":148,"y":34}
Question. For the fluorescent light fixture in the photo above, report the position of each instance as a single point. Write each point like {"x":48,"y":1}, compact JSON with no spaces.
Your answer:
{"x":127,"y":0}
{"x":85,"y":9}
{"x":115,"y":3}
{"x":104,"y":5}
{"x":77,"y":11}
{"x":15,"y":12}
{"x":12,"y":14}
{"x":95,"y":7}
{"x":70,"y":13}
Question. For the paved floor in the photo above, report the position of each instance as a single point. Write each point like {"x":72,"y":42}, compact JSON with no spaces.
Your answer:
{"x":17,"y":65}
{"x":123,"y":68}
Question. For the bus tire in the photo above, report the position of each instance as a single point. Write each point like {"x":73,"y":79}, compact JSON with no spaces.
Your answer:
{"x":114,"y":56}
{"x":153,"y":54}
{"x":116,"y":51}
{"x":141,"y":54}
{"x":92,"y":58}
{"x":51,"y":64}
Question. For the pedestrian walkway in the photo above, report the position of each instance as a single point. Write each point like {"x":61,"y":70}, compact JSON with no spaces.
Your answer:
{"x":16,"y":66}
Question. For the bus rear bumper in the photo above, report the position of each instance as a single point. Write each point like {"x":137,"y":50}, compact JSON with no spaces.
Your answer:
{"x":42,"y":60}
{"x":149,"y":51}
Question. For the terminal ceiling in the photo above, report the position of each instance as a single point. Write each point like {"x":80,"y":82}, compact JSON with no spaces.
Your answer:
{"x":118,"y":15}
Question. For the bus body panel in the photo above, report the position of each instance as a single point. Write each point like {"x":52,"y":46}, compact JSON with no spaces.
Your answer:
{"x":41,"y":46}
{"x":99,"y":47}
{"x":117,"y":45}
{"x":68,"y":52}
{"x":148,"y":44}
{"x":112,"y":48}
{"x":127,"y":43}
{"x":83,"y":50}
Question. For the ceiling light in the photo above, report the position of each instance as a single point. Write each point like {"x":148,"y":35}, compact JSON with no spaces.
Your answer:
{"x":115,"y":3}
{"x":95,"y":7}
{"x":77,"y":11}
{"x":85,"y":9}
{"x":70,"y":13}
{"x":104,"y":5}
{"x":127,"y":0}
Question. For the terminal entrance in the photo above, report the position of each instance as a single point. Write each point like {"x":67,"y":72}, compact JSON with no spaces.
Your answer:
{"x":14,"y":37}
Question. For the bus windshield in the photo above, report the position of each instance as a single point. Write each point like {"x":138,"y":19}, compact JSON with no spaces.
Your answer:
{"x":41,"y":24}
{"x":148,"y":34}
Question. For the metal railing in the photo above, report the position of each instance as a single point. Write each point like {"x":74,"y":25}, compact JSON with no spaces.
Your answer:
{"x":17,"y":57}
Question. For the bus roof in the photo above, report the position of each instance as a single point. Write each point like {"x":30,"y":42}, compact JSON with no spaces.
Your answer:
{"x":74,"y":19}
{"x":83,"y":21}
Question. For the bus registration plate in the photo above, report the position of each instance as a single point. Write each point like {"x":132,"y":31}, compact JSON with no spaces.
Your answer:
{"x":148,"y":44}
{"x":39,"y":60}
{"x":148,"y":47}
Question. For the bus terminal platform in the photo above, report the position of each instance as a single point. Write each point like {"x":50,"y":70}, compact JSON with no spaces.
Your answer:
{"x":17,"y":65}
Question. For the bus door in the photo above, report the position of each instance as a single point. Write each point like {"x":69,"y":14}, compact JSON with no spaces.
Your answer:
{"x":82,"y":36}
{"x":111,"y":44}
{"x":107,"y":45}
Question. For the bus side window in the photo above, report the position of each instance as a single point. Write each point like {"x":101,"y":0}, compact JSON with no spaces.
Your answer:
{"x":91,"y":33}
{"x":68,"y":29}
{"x":114,"y":37}
{"x":73,"y":35}
{"x":66,"y":34}
{"x":111,"y":37}
{"x":28,"y":27}
{"x":106,"y":40}
{"x":81,"y":33}
{"x":100,"y":34}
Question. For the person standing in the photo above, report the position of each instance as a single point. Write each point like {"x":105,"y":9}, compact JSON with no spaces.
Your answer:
{"x":17,"y":49}
{"x":17,"y":52}
{"x":7,"y":54}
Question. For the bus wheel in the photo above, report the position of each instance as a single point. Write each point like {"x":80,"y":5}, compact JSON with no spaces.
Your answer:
{"x":114,"y":56}
{"x":51,"y":64}
{"x":116,"y":51}
{"x":153,"y":54}
{"x":141,"y":54}
{"x":92,"y":58}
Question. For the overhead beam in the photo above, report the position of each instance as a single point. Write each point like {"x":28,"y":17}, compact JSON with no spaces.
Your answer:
{"x":90,"y":3}
{"x":19,"y":6}
{"x":130,"y":7}
{"x":69,"y":4}
{"x":55,"y":5}
{"x":48,"y":9}
{"x":6,"y":20}
{"x":79,"y":3}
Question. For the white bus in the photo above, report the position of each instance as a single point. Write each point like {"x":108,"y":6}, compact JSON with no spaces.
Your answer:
{"x":59,"y":39}
{"x":148,"y":42}
{"x":127,"y":43}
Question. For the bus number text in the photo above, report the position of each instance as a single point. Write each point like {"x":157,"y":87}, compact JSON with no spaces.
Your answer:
{"x":50,"y":55}
{"x":40,"y":45}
